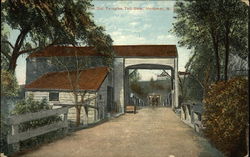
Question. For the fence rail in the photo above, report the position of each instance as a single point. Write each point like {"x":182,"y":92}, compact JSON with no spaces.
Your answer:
{"x":191,"y":114}
{"x":17,"y":119}
{"x":15,"y":136}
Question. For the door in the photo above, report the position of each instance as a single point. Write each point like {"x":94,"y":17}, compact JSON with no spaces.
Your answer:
{"x":110,"y":96}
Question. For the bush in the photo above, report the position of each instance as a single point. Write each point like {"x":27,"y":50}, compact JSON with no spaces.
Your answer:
{"x":226,"y":116}
{"x":30,"y":105}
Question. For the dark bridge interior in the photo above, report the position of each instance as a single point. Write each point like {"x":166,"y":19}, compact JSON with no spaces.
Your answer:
{"x":127,"y":93}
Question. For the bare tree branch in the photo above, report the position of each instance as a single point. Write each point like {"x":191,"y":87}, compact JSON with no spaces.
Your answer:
{"x":28,"y":50}
{"x":37,"y":48}
{"x":9,"y":43}
{"x":20,"y":39}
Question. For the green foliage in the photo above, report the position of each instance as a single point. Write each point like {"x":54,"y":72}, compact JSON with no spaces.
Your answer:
{"x":201,"y":69}
{"x":196,"y":21}
{"x":58,"y":22}
{"x":155,"y":86}
{"x":226,"y":116}
{"x":9,"y":85}
{"x":29,"y":106}
{"x":136,"y":88}
{"x":134,"y":77}
{"x":212,"y":26}
{"x":5,"y":49}
{"x":193,"y":90}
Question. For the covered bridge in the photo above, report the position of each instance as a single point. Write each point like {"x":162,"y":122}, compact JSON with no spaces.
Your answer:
{"x":40,"y":65}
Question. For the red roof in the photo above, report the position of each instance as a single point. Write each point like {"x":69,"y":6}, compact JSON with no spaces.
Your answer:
{"x":90,"y":79}
{"x":121,"y":50}
{"x":65,"y":51}
{"x":146,"y":50}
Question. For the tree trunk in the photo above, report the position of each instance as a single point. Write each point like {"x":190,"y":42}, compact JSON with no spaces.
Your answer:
{"x":217,"y":57}
{"x":226,"y":51}
{"x":16,"y":51}
{"x":12,"y":63}
{"x":78,"y":110}
{"x":78,"y":115}
{"x":86,"y":116}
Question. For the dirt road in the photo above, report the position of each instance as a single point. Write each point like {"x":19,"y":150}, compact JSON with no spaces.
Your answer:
{"x":149,"y":133}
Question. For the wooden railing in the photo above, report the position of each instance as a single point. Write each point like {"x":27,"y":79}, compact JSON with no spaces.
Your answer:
{"x":15,"y":136}
{"x":191,"y":114}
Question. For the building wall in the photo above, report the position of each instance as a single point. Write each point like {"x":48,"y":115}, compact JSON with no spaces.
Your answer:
{"x":68,"y":98}
{"x":38,"y":95}
{"x":176,"y":84}
{"x":102,"y":95}
{"x":119,"y":83}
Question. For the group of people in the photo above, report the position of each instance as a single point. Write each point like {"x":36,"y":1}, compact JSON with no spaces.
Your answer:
{"x":155,"y":101}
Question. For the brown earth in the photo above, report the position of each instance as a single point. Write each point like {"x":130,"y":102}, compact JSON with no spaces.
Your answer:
{"x":151,"y":132}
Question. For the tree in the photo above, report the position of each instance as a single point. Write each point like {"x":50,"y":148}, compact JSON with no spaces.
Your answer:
{"x":201,"y":67}
{"x":5,"y":49}
{"x":45,"y":23}
{"x":218,"y":24}
{"x":74,"y":66}
{"x":134,"y":78}
{"x":192,"y":33}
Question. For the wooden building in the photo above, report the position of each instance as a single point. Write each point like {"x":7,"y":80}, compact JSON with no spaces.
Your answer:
{"x":94,"y":85}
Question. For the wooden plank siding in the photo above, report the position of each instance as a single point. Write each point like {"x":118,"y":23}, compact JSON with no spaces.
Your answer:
{"x":68,"y":98}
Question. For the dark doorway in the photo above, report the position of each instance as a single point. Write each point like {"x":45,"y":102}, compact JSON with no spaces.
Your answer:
{"x":127,"y":84}
{"x":110,"y":96}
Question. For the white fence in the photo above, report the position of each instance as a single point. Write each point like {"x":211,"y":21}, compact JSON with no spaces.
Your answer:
{"x":15,"y":136}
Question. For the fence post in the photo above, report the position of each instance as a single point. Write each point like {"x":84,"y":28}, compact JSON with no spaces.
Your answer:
{"x":65,"y":119}
{"x":15,"y":131}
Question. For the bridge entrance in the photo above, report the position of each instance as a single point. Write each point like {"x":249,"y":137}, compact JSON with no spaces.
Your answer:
{"x":155,"y":57}
{"x":152,"y":98}
{"x":164,"y":57}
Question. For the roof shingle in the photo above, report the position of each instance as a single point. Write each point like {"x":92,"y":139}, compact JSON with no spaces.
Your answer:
{"x":90,"y":79}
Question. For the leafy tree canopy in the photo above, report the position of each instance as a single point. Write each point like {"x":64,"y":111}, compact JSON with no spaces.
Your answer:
{"x":217,"y":25}
{"x":42,"y":23}
{"x":134,"y":77}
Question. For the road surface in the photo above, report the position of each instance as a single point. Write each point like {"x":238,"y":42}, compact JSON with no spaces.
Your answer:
{"x":151,"y":132}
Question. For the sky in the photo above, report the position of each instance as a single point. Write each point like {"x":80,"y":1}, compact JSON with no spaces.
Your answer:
{"x":130,"y":23}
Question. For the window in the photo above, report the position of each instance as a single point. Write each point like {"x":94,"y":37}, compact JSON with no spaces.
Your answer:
{"x":53,"y":96}
{"x":100,"y":97}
